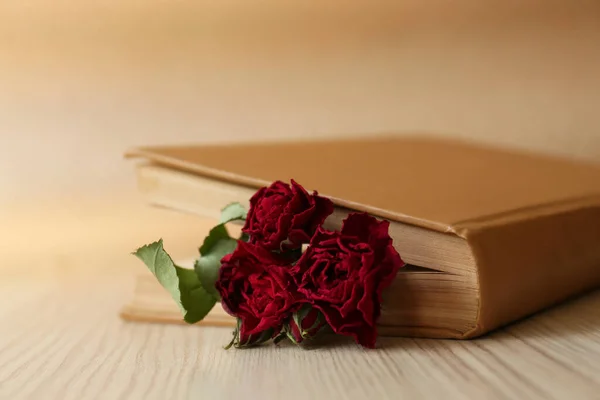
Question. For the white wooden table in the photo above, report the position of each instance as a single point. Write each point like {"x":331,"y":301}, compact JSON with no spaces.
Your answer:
{"x":66,"y":272}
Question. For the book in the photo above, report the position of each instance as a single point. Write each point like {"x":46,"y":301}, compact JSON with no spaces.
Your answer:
{"x":150,"y":302}
{"x":490,"y":235}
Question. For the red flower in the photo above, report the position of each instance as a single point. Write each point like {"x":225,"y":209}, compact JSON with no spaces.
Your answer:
{"x":284,"y":217}
{"x":343,"y":274}
{"x":256,"y":288}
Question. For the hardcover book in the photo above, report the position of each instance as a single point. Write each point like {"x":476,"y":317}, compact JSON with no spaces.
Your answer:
{"x":489,"y":235}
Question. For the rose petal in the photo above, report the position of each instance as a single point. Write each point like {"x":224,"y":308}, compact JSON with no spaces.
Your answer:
{"x":359,"y":225}
{"x":364,"y":335}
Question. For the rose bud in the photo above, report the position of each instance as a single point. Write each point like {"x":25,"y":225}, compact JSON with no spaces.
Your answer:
{"x":306,"y":323}
{"x":240,"y":340}
{"x":283,"y":217}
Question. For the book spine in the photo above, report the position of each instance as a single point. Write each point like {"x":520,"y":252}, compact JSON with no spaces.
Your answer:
{"x":527,"y":265}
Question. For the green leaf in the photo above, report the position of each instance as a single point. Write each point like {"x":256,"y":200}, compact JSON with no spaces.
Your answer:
{"x":183,"y":284}
{"x":233,"y":212}
{"x":216,"y":245}
{"x":208,"y":265}
{"x":215,"y":235}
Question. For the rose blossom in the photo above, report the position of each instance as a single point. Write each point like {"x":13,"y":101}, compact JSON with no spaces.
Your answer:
{"x":343,"y":274}
{"x":283,"y":217}
{"x":256,"y":287}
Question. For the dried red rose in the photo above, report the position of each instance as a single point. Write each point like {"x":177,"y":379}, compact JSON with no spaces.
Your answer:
{"x":283,"y":217}
{"x":343,"y":274}
{"x":256,"y":288}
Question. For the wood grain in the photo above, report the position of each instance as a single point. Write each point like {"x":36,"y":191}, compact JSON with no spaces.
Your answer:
{"x":61,"y":338}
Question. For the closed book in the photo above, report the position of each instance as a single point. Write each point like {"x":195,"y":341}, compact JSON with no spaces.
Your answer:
{"x":490,"y":235}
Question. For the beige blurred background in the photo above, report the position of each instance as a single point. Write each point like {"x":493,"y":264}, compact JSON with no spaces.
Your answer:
{"x":82,"y":81}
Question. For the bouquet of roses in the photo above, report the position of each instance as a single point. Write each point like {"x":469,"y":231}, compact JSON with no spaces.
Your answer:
{"x":286,"y":276}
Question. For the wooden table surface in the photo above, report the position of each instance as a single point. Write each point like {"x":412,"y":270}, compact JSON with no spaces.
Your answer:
{"x":66,"y":272}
